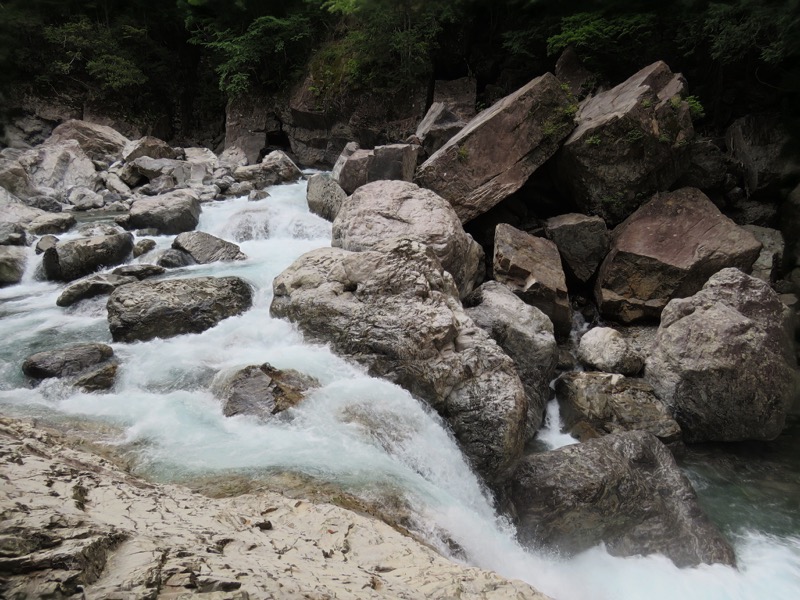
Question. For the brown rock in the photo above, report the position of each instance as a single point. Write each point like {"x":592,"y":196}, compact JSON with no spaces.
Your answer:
{"x":582,"y":242}
{"x":263,"y":390}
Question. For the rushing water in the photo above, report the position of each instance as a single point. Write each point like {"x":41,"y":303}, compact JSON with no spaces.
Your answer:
{"x":363,"y":435}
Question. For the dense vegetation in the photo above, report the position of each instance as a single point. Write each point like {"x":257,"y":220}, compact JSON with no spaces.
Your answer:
{"x":181,"y":59}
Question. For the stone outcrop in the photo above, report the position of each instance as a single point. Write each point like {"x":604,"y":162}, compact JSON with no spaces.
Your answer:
{"x":458,"y":95}
{"x":630,"y":142}
{"x":70,"y":260}
{"x":263,"y":391}
{"x":170,"y":213}
{"x":582,"y":242}
{"x":594,"y":404}
{"x":163,"y":309}
{"x":624,"y":490}
{"x":395,"y":310}
{"x":274,"y":169}
{"x":100,"y":142}
{"x":525,"y":334}
{"x":384,"y":210}
{"x":205,"y":248}
{"x":757,"y":143}
{"x":668,"y":249}
{"x":498,"y":150}
{"x":531,"y":267}
{"x":605,"y":349}
{"x":437,"y":127}
{"x":324,"y":196}
{"x":12,"y":264}
{"x":99,"y":284}
{"x":391,"y":162}
{"x":723,"y":360}
{"x":88,"y":366}
{"x":245,"y":128}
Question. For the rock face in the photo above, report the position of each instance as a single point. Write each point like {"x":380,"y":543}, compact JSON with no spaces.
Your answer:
{"x":668,"y":249}
{"x":439,"y":125}
{"x":525,"y":334}
{"x":604,"y":349}
{"x":493,"y":156}
{"x":99,"y":142}
{"x":90,"y":366}
{"x":630,"y":142}
{"x":276,"y":168}
{"x":148,"y":146}
{"x":170,"y":213}
{"x":391,"y":162}
{"x":768,"y":264}
{"x":757,"y":143}
{"x":384,"y":210}
{"x":263,"y":391}
{"x":12,"y":264}
{"x":151,"y":309}
{"x":602,"y":403}
{"x":723,"y":360}
{"x":582,"y":242}
{"x":531,"y":267}
{"x":396,"y":310}
{"x":624,"y":490}
{"x":100,"y":284}
{"x":67,"y":261}
{"x":51,"y":223}
{"x":205,"y":248}
{"x":60,"y":166}
{"x":324,"y":196}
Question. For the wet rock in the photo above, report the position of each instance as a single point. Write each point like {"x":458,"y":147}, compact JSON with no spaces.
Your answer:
{"x":98,"y":380}
{"x":525,"y":334}
{"x":324,"y":196}
{"x":172,"y":258}
{"x":64,"y":362}
{"x":438,"y":126}
{"x":99,"y":142}
{"x":143,"y":247}
{"x":723,"y":360}
{"x":624,"y":490}
{"x":50,"y":223}
{"x":12,"y":234}
{"x":274,"y":169}
{"x":582,"y":242}
{"x":170,"y":213}
{"x":384,"y":210}
{"x":605,"y":349}
{"x":531,"y":267}
{"x":263,"y":391}
{"x":163,"y":309}
{"x":45,"y":242}
{"x":99,"y":228}
{"x":630,"y":142}
{"x":99,"y":284}
{"x":12,"y":264}
{"x":604,"y":403}
{"x":149,"y":146}
{"x":498,"y":150}
{"x":256,"y":195}
{"x":767,"y":267}
{"x":205,"y":248}
{"x":668,"y":249}
{"x":395,"y":310}
{"x":139,"y":271}
{"x":68,"y":261}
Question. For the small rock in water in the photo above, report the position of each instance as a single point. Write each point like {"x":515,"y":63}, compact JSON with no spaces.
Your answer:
{"x":93,"y":285}
{"x":174,"y":259}
{"x":143,"y":247}
{"x":139,"y":271}
{"x":92,"y":364}
{"x":205,"y":248}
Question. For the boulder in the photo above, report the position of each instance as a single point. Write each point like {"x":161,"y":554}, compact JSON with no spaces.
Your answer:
{"x":346,"y":153}
{"x":393,"y":162}
{"x":582,"y":242}
{"x":14,"y":179}
{"x":139,"y":271}
{"x":202,"y":164}
{"x":437,"y":127}
{"x":531,"y":267}
{"x":172,"y":258}
{"x":604,"y":349}
{"x":245,"y":134}
{"x":630,"y":142}
{"x":602,"y":403}
{"x":384,"y":210}
{"x":498,"y":150}
{"x":51,"y":223}
{"x":458,"y":95}
{"x":14,"y":212}
{"x":143,"y":247}
{"x":757,"y":143}
{"x":571,"y":72}
{"x":767,"y":267}
{"x":99,"y":284}
{"x":68,"y":361}
{"x":114,"y":184}
{"x":99,"y":142}
{"x":395,"y":310}
{"x":723,"y":360}
{"x":67,"y":261}
{"x":263,"y":391}
{"x":163,"y":171}
{"x":623,"y":490}
{"x":12,"y":234}
{"x":163,"y":309}
{"x":82,"y":198}
{"x":525,"y":334}
{"x":324,"y":196}
{"x":170,"y":213}
{"x":149,"y":146}
{"x":99,"y":379}
{"x":205,"y":248}
{"x":710,"y":169}
{"x":276,"y":168}
{"x":45,"y":242}
{"x":668,"y":249}
{"x":61,"y":166}
{"x":12,"y":264}
{"x":352,"y":169}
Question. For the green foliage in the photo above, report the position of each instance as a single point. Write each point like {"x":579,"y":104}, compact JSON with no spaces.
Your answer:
{"x":696,"y":109}
{"x":634,"y":135}
{"x":462,"y":154}
{"x":593,"y":140}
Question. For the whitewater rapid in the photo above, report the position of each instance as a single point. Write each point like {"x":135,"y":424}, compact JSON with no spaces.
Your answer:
{"x":364,"y":435}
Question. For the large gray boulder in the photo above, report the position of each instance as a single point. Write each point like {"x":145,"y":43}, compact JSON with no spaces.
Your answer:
{"x":531,"y":267}
{"x":148,"y":146}
{"x":384,"y":210}
{"x":170,"y":213}
{"x":159,"y":171}
{"x":205,"y":248}
{"x":91,"y":366}
{"x":396,"y":310}
{"x":668,"y":249}
{"x":630,"y":142}
{"x":99,"y":142}
{"x":67,"y":261}
{"x":274,"y":169}
{"x":723,"y":360}
{"x":499,"y":149}
{"x":51,"y":223}
{"x":624,"y":490}
{"x":163,"y":309}
{"x":582,"y":242}
{"x":14,"y":212}
{"x":14,"y":179}
{"x":438,"y":126}
{"x":767,"y":267}
{"x":525,"y":334}
{"x":324,"y":196}
{"x":60,"y":166}
{"x":605,"y":349}
{"x":596,"y":404}
{"x":356,"y":167}
{"x":12,"y":264}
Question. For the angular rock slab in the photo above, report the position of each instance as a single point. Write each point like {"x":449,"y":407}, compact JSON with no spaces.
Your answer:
{"x":605,"y":349}
{"x":324,"y":196}
{"x":170,"y":213}
{"x":609,"y":403}
{"x":149,"y":146}
{"x":356,"y":167}
{"x":60,"y":166}
{"x":624,"y":490}
{"x":205,"y":248}
{"x":163,"y":309}
{"x":274,"y":169}
{"x":499,"y":149}
{"x":723,"y":360}
{"x":531,"y":267}
{"x":99,"y":284}
{"x":630,"y":142}
{"x":99,"y":142}
{"x":395,"y":310}
{"x":88,"y":366}
{"x":383,"y":210}
{"x":67,"y":261}
{"x":12,"y":264}
{"x":582,"y":242}
{"x":668,"y":249}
